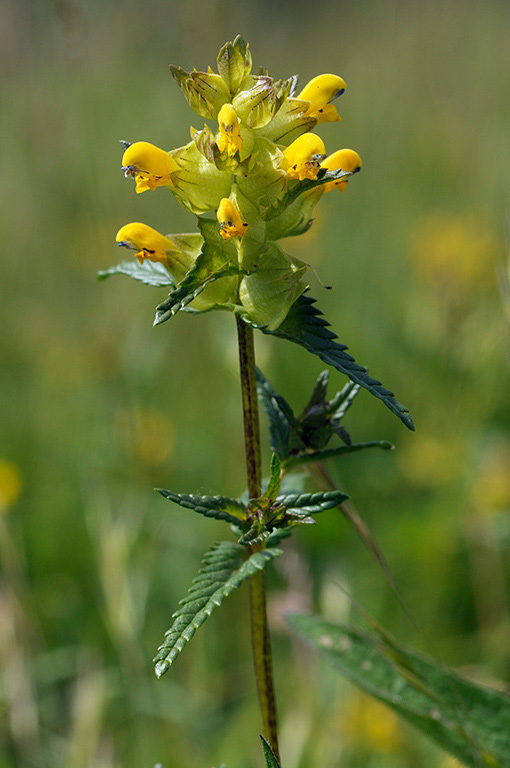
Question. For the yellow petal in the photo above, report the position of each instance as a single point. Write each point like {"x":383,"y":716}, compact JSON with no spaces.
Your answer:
{"x":301,"y":160}
{"x":341,"y":160}
{"x":229,"y":218}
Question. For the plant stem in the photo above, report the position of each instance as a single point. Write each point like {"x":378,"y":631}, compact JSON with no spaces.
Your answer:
{"x":259,"y":630}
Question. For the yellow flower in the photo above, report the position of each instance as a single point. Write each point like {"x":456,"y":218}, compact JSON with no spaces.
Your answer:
{"x":229,"y":218}
{"x":302,"y":159}
{"x":341,"y":160}
{"x":150,"y":166}
{"x":10,"y":483}
{"x":229,"y":140}
{"x":320,"y":91}
{"x":148,"y":243}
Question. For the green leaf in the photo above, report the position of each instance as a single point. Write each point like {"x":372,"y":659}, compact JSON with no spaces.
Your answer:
{"x":151,"y":273}
{"x":311,"y":458}
{"x":301,"y":504}
{"x":467,"y":720}
{"x":215,"y":260}
{"x":223,"y":570}
{"x":273,"y":485}
{"x":283,"y":427}
{"x":304,"y":186}
{"x":200,"y":275}
{"x":306,"y":325}
{"x":343,"y":400}
{"x":269,"y":756}
{"x":219,"y":507}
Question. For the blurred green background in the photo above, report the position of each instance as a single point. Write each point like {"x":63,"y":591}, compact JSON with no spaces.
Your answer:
{"x":98,"y":407}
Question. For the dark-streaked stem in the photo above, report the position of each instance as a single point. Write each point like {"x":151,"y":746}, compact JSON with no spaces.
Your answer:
{"x":258,"y":612}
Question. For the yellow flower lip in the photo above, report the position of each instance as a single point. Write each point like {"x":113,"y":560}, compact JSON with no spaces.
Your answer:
{"x":341,"y":160}
{"x":149,"y":165}
{"x":302,"y":159}
{"x":230,"y":221}
{"x":320,"y":92}
{"x":148,"y":242}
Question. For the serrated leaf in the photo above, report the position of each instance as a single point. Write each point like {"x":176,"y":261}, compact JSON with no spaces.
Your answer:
{"x":329,"y":453}
{"x":273,"y":485}
{"x":201,"y":274}
{"x":343,"y":400}
{"x":305,"y":325}
{"x":467,"y":720}
{"x":150,"y":273}
{"x":223,"y":570}
{"x":269,"y":755}
{"x":311,"y":503}
{"x":219,"y":507}
{"x":215,"y":260}
{"x":319,"y":393}
{"x":282,"y":423}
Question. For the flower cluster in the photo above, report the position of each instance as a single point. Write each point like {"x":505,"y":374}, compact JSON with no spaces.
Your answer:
{"x":260,"y":174}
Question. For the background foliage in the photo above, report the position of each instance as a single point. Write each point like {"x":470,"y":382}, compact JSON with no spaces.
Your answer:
{"x":98,"y":407}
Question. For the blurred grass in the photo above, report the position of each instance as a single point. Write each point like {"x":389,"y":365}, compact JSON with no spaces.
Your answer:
{"x":98,"y":407}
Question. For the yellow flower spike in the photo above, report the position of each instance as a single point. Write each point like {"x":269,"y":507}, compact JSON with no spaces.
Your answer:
{"x":302,"y":159}
{"x":148,"y":243}
{"x":150,"y":166}
{"x":320,"y":91}
{"x":341,"y":160}
{"x":231,"y":224}
{"x":229,"y":140}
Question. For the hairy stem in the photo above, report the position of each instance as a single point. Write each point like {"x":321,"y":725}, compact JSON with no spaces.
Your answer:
{"x":258,"y":613}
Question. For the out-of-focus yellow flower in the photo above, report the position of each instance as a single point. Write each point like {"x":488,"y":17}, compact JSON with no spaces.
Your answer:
{"x":10,"y":483}
{"x":370,"y":723}
{"x":148,"y":242}
{"x":455,"y":252}
{"x":491,"y":487}
{"x":341,"y":160}
{"x":320,"y":91}
{"x":230,"y":221}
{"x":150,"y":166}
{"x":229,"y":140}
{"x":433,"y":460}
{"x":302,"y":159}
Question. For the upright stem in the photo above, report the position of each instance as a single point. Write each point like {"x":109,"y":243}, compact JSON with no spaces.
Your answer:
{"x":258,"y":613}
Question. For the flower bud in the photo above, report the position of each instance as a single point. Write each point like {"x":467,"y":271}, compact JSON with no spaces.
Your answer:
{"x":234,"y":63}
{"x":301,"y":160}
{"x":341,"y":160}
{"x":320,"y":91}
{"x":150,"y":166}
{"x":256,"y":106}
{"x":205,"y":92}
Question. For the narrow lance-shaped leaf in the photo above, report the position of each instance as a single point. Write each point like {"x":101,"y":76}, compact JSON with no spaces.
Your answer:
{"x":223,"y":570}
{"x":466,"y":719}
{"x":269,"y":755}
{"x":329,"y":453}
{"x":323,"y":177}
{"x":306,"y":325}
{"x":219,"y":507}
{"x":283,"y":432}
